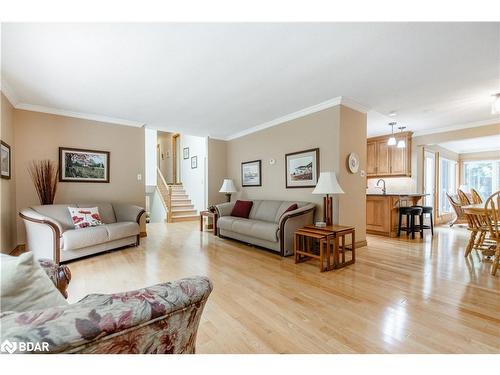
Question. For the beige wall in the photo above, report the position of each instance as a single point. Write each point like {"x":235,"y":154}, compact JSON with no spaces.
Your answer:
{"x":8,"y":192}
{"x":216,"y":170}
{"x":165,"y":158}
{"x":337,"y":131}
{"x":353,"y":139}
{"x":39,"y":136}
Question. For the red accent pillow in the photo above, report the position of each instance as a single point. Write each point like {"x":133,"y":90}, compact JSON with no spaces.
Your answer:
{"x":291,"y":208}
{"x":242,"y":209}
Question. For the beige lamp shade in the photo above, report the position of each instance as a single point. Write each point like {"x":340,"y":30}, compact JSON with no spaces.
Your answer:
{"x":327,"y":184}
{"x":228,"y":186}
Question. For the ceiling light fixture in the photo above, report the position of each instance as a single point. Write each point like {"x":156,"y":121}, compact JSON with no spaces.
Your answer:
{"x":495,"y":106}
{"x":401,"y":143}
{"x":392,"y":139}
{"x":392,"y":114}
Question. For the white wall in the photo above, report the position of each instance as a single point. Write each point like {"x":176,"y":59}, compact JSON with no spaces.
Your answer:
{"x":194,"y":180}
{"x":151,"y":162}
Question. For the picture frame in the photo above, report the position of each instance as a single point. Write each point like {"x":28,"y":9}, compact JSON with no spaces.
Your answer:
{"x":185,"y":153}
{"x":82,"y":165}
{"x":194,"y":162}
{"x":302,"y":169}
{"x":5,"y":160}
{"x":251,"y":173}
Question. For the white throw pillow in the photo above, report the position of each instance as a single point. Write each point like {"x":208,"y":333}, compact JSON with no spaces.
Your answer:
{"x":25,"y":286}
{"x":85,"y":217}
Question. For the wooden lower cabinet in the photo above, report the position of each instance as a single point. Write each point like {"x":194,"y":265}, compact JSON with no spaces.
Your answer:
{"x":382,"y":212}
{"x":378,"y":214}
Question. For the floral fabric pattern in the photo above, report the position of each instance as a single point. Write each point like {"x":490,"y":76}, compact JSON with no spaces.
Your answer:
{"x":85,"y":217}
{"x":160,"y":319}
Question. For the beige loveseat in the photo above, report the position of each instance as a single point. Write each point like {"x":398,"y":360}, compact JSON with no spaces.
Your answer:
{"x":50,"y":232}
{"x":268,"y":225}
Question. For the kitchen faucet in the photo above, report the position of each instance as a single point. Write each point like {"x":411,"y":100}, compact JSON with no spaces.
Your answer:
{"x":383,"y":187}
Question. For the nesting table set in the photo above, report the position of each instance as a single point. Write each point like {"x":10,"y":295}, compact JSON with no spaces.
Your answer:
{"x":327,"y":244}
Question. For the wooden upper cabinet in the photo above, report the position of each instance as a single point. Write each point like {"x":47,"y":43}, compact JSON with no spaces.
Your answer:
{"x":398,"y":160}
{"x":384,"y":158}
{"x":371,"y":159}
{"x":388,"y":161}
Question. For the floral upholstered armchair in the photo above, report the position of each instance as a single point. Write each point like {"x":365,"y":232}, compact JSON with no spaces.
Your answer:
{"x":163,"y":318}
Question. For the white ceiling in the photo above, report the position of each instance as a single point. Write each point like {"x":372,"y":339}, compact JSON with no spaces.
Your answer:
{"x":489,"y":143}
{"x":220,"y":79}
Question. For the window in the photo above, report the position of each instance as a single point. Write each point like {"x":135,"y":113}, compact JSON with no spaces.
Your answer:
{"x":447,"y":183}
{"x":484,"y":176}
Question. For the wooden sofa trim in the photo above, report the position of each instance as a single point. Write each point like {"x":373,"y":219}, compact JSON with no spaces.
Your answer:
{"x":282,"y":227}
{"x":56,"y":232}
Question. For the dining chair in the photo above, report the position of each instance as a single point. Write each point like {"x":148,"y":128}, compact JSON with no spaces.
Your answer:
{"x":457,"y":207}
{"x":464,"y":199}
{"x":492,"y":218}
{"x":476,"y":198}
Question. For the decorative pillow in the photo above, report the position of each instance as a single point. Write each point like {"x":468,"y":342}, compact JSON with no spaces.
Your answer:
{"x":85,"y":217}
{"x":25,"y":286}
{"x":293,"y":207}
{"x":242,"y":209}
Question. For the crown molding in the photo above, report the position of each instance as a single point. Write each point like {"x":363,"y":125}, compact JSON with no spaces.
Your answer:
{"x":9,"y":93}
{"x":339,"y":100}
{"x":467,"y":125}
{"x":85,"y":116}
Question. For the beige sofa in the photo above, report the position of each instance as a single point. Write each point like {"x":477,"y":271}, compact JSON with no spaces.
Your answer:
{"x":267,"y":226}
{"x":50,"y":232}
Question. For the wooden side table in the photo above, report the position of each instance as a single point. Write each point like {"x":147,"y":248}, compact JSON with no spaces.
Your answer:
{"x":337,"y":235}
{"x":304,"y":248}
{"x":209,"y":214}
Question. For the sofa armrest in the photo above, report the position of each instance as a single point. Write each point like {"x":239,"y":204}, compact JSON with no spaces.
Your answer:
{"x":43,"y":235}
{"x":128,"y":212}
{"x":290,"y":222}
{"x":160,"y":319}
{"x":224,"y":209}
{"x":60,"y":275}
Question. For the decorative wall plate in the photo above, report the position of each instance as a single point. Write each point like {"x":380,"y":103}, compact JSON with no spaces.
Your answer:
{"x":353,"y":162}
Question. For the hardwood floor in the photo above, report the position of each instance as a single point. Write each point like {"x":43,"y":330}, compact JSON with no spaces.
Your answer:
{"x":401,"y":296}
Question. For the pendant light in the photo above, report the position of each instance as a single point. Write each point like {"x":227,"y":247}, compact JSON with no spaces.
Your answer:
{"x":392,"y":139}
{"x":401,"y":142}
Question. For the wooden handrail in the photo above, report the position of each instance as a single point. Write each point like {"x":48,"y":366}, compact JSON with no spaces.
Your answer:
{"x":167,"y":201}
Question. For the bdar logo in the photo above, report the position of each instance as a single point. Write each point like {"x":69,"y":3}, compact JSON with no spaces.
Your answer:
{"x":8,"y":347}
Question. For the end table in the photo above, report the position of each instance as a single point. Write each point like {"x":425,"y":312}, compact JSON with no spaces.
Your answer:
{"x":209,"y":214}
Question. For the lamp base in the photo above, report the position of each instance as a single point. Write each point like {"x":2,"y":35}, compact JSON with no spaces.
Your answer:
{"x":327,"y":210}
{"x":228,"y":197}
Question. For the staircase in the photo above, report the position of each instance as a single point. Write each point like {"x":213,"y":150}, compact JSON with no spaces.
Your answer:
{"x":177,"y":204}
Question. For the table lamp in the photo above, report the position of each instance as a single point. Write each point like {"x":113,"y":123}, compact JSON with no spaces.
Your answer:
{"x":228,"y":188}
{"x":327,"y":184}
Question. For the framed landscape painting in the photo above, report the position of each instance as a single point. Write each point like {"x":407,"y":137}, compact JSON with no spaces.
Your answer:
{"x":5,"y":160}
{"x":302,"y":168}
{"x":251,"y":173}
{"x":79,"y":165}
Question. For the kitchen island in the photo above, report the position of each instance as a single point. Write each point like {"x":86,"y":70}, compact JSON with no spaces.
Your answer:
{"x":382,"y":211}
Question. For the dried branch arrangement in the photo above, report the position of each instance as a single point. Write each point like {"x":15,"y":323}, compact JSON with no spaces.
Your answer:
{"x":44,"y":174}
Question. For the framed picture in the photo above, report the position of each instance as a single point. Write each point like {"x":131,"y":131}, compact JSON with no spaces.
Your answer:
{"x":79,"y":165}
{"x":302,"y":168}
{"x":251,"y":173}
{"x":5,"y":160}
{"x":194,"y":162}
{"x":185,"y":153}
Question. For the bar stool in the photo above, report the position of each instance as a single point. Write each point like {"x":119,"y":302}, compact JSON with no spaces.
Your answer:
{"x":426,"y":210}
{"x":410,"y":213}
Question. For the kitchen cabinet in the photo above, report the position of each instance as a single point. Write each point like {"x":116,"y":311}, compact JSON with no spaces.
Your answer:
{"x":382,"y":213}
{"x":388,"y":161}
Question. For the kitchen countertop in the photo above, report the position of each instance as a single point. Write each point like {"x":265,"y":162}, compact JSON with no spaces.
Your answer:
{"x":398,"y":194}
